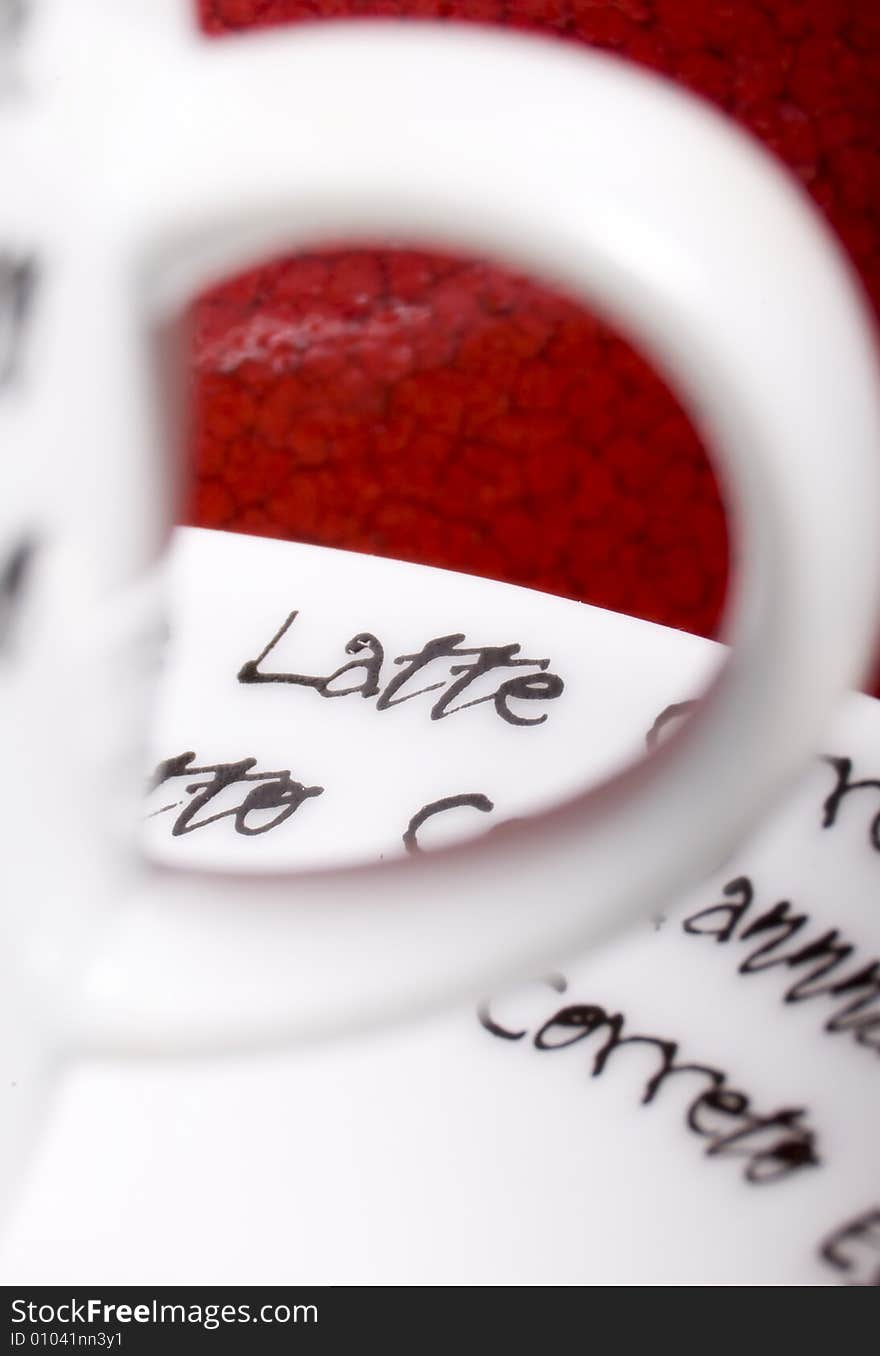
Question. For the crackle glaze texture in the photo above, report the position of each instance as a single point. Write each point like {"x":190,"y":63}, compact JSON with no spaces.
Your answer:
{"x":450,"y":412}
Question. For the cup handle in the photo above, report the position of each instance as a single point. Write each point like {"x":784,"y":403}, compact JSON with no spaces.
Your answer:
{"x":680,"y":231}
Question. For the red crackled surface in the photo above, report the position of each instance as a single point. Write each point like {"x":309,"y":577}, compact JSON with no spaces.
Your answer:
{"x":447,"y":411}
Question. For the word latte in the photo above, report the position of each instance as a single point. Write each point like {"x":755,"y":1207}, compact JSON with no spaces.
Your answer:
{"x":368,"y":657}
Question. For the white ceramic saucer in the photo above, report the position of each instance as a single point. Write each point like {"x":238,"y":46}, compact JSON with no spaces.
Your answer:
{"x":558,"y":1138}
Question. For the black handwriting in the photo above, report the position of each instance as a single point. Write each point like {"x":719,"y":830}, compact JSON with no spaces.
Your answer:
{"x":818,"y":960}
{"x":18,"y":275}
{"x":844,"y":787}
{"x":474,"y":799}
{"x":269,"y":791}
{"x":14,"y":570}
{"x":368,"y":656}
{"x":854,"y":1248}
{"x":774,"y":1146}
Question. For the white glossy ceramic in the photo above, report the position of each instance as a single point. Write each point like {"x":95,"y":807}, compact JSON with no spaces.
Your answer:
{"x":441,"y":1150}
{"x":143,"y":164}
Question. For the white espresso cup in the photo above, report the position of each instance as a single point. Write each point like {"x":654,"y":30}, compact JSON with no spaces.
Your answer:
{"x":141,"y":164}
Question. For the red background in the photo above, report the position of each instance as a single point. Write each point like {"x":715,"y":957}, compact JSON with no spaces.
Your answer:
{"x":446,"y":411}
